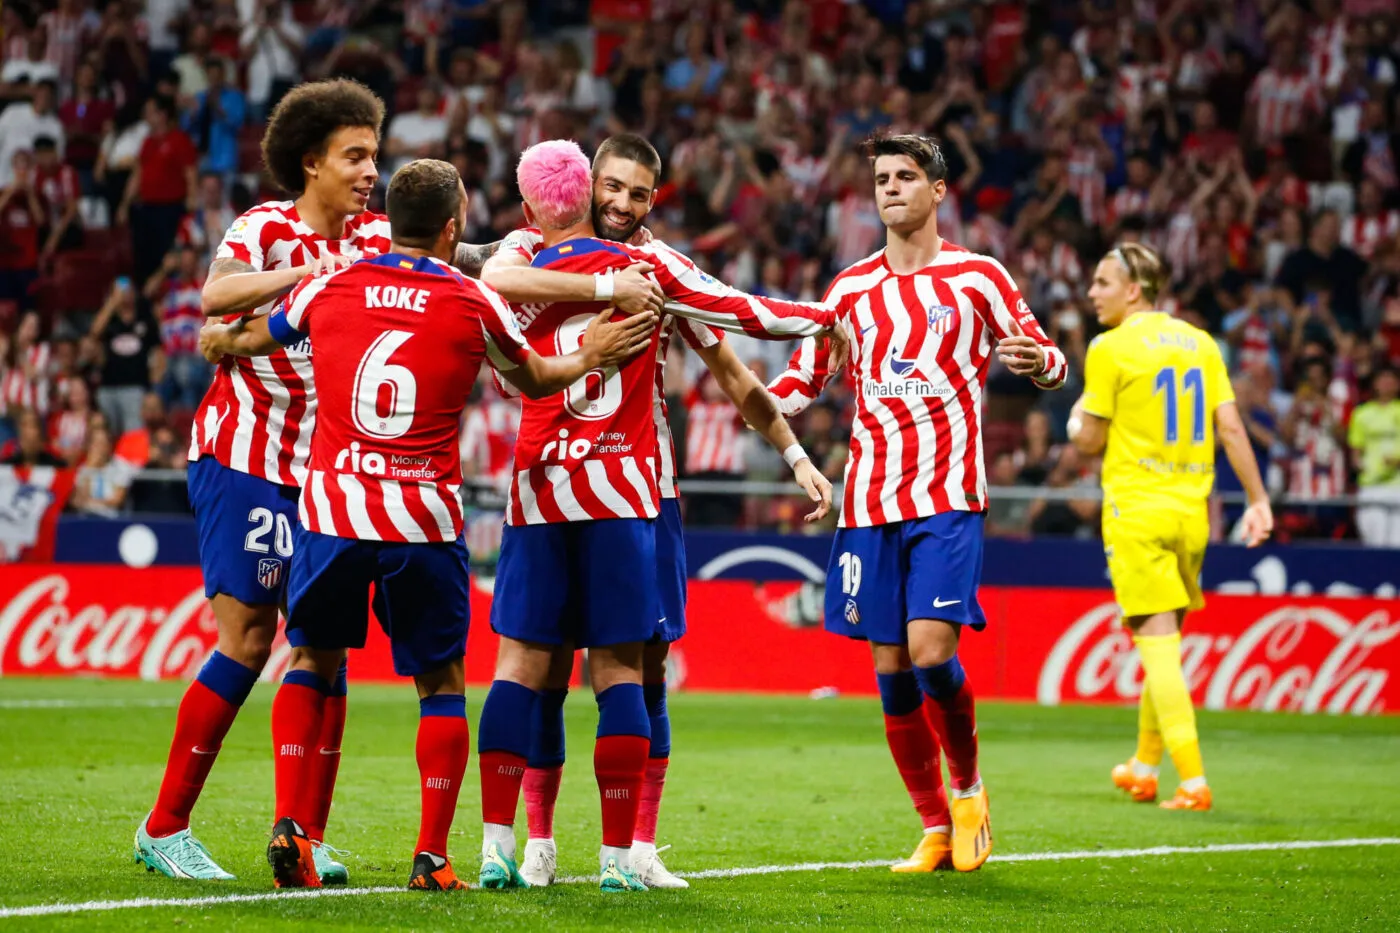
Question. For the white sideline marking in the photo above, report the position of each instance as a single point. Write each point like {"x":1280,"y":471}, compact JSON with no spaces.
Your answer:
{"x":44,"y":910}
{"x":83,"y":704}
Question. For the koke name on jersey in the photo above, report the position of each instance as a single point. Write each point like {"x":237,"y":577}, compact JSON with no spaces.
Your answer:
{"x":390,"y":296}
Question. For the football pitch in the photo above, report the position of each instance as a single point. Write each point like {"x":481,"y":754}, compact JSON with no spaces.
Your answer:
{"x":1305,"y":834}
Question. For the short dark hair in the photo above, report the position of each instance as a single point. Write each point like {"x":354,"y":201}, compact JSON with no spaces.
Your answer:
{"x":45,"y":144}
{"x":423,"y":196}
{"x":304,"y":120}
{"x":166,"y":105}
{"x":632,"y":147}
{"x":922,"y":149}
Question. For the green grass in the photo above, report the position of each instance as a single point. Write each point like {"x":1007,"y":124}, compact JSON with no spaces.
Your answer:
{"x":753,"y":781}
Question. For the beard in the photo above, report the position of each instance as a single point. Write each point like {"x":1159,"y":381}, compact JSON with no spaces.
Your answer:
{"x":610,"y":231}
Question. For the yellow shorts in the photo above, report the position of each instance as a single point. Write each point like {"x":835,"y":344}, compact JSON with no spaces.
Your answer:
{"x":1155,"y":556}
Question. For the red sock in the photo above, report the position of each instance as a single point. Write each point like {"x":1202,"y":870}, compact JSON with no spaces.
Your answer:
{"x":297,"y":711}
{"x":501,"y":774}
{"x":653,"y":783}
{"x":541,"y":794}
{"x":619,"y":762}
{"x":444,"y":743}
{"x":324,"y":767}
{"x":915,"y":751}
{"x":200,"y":726}
{"x":955,"y":721}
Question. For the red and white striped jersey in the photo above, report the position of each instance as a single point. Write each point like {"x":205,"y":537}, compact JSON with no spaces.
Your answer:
{"x":28,"y":383}
{"x":257,"y":416}
{"x":1183,"y":243}
{"x":591,"y":452}
{"x":1086,"y":181}
{"x":1129,"y":202}
{"x":712,"y":434}
{"x":1364,"y":232}
{"x":1327,"y":51}
{"x":986,"y":234}
{"x":920,"y":348}
{"x":1284,"y":103}
{"x":397,"y":343}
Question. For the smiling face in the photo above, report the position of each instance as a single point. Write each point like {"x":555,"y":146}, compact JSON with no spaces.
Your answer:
{"x":623,"y":193}
{"x":343,"y":177}
{"x":904,"y":195}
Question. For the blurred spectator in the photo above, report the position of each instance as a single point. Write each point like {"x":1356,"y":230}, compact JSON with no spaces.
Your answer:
{"x":1374,"y":438}
{"x":214,"y":120}
{"x":26,"y":373}
{"x":25,"y":65}
{"x":69,"y":427}
{"x":117,"y":156}
{"x":1038,"y":452}
{"x":119,"y":48}
{"x":101,"y":484}
{"x":1067,"y":517}
{"x":24,"y":122}
{"x":1325,"y":260}
{"x":59,"y":189}
{"x":162,"y":181}
{"x":127,"y":338}
{"x":695,"y":77}
{"x":712,"y":452}
{"x":135,"y":445}
{"x":1373,"y":223}
{"x":21,"y":214}
{"x":271,"y":44}
{"x":175,"y":290}
{"x":85,"y":116}
{"x":30,"y":447}
{"x":203,"y":228}
{"x":1007,"y":516}
{"x":418,"y":134}
{"x":191,"y":75}
{"x":67,"y":29}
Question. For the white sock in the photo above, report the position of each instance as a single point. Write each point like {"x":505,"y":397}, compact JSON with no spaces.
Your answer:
{"x":546,"y":841}
{"x":643,"y":848}
{"x":501,"y":833}
{"x":969,"y":791}
{"x":1141,"y":770}
{"x":1194,"y":784}
{"x":623,"y":857}
{"x":945,"y":830}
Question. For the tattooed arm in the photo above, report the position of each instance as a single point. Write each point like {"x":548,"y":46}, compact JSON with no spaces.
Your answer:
{"x":234,"y":286}
{"x":471,"y":257}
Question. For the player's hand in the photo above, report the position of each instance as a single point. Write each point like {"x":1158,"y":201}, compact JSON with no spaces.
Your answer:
{"x":1257,"y":523}
{"x":325,"y":265}
{"x":612,"y":343}
{"x":840,"y":350}
{"x":818,"y":489}
{"x":641,"y":237}
{"x":1021,"y":354}
{"x":213,"y":338}
{"x":635,"y":291}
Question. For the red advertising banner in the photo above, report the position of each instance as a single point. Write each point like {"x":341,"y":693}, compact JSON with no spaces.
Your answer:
{"x":1293,"y":653}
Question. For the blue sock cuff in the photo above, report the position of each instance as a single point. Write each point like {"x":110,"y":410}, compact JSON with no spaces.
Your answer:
{"x":443,"y":704}
{"x":226,"y":677}
{"x":308,"y":679}
{"x":944,"y":681}
{"x":899,"y":693}
{"x":655,"y":697}
{"x":341,"y":686}
{"x":507,"y":708}
{"x":622,"y":710}
{"x":547,"y":742}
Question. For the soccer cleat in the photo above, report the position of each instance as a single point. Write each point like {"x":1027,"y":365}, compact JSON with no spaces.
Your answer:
{"x":932,"y":854}
{"x":972,"y":831}
{"x":291,"y":857}
{"x":615,"y":878}
{"x":498,"y":871}
{"x":327,"y":868}
{"x":1141,"y":787}
{"x":1198,"y":799}
{"x":434,"y":873}
{"x":647,"y":866}
{"x":179,"y":855}
{"x":540,"y":864}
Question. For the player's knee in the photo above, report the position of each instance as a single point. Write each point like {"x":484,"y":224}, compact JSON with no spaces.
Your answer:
{"x":246,"y":632}
{"x":450,"y":679}
{"x":654,"y":663}
{"x":890,"y":659}
{"x":615,"y":664}
{"x":932,"y":642}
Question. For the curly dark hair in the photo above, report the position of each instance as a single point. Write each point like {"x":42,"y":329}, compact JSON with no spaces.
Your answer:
{"x":303,"y":121}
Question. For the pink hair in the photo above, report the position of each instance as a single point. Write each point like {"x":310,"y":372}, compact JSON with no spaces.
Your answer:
{"x":556,"y":180}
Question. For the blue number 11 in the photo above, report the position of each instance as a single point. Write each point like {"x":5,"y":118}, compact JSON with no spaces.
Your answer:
{"x":1192,"y":381}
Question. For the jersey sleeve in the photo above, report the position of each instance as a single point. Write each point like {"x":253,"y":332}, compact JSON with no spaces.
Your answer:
{"x":693,"y":294}
{"x":243,"y":240}
{"x":698,"y":336}
{"x":290,"y":321}
{"x":505,"y":344}
{"x":1011,"y":316}
{"x":807,"y":374}
{"x":524,"y":241}
{"x":1100,"y":380}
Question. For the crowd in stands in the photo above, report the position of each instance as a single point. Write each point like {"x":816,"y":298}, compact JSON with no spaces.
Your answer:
{"x":1255,"y":143}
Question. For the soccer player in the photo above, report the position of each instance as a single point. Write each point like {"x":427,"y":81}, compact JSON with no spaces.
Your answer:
{"x":583,"y":500}
{"x":919,"y":320}
{"x":1156,"y":393}
{"x":396,"y":341}
{"x":626,"y":170}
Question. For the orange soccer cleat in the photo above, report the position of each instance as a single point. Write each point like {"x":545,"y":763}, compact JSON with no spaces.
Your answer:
{"x":290,"y":856}
{"x":934,"y":853}
{"x":1142,"y":788}
{"x":972,"y":831}
{"x":434,"y":873}
{"x":1198,"y":799}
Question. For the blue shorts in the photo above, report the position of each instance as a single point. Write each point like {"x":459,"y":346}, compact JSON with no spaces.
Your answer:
{"x":245,"y":529}
{"x":880,"y":578}
{"x":589,"y":583}
{"x":422,"y":598}
{"x":670,"y":572}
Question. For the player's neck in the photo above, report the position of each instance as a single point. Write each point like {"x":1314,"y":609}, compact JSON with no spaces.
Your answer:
{"x":1133,"y":312}
{"x":907,"y":252}
{"x":416,"y":252}
{"x":583,"y":228}
{"x":323,"y":220}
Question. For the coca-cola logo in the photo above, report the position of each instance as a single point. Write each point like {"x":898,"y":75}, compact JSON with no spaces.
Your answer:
{"x":1296,"y":658}
{"x":41,"y":633}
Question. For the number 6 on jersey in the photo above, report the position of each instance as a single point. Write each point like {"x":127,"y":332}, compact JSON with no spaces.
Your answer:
{"x":385,"y":393}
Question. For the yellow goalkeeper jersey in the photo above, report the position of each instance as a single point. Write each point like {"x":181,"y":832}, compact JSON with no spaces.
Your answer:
{"x":1158,"y":381}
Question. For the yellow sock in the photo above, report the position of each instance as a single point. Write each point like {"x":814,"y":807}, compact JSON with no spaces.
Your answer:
{"x":1161,"y":665}
{"x":1149,"y":747}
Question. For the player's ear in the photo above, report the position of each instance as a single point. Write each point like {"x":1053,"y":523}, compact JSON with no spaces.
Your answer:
{"x":940,"y":191}
{"x":529,"y":214}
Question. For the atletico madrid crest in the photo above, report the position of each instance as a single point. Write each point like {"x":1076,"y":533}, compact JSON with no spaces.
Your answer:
{"x":852,"y":612}
{"x":269,"y":572}
{"x":941,"y":318}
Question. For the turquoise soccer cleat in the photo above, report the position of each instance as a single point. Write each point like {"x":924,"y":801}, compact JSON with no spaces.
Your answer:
{"x":615,"y":878}
{"x":329,"y":870}
{"x":498,"y":871}
{"x":177,"y":856}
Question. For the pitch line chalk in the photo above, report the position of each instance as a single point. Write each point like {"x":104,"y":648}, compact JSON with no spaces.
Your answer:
{"x":48,"y":910}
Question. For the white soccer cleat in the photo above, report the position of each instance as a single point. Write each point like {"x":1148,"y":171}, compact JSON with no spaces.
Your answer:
{"x":647,"y":866}
{"x":540,"y":864}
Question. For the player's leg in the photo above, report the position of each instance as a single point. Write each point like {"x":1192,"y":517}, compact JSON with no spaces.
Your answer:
{"x":245,"y":587}
{"x":544,"y":771}
{"x":944,"y":560}
{"x":444,"y":744}
{"x":325,"y":766}
{"x":1138,"y":776}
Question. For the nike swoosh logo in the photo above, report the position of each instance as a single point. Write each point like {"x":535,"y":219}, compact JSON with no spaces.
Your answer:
{"x":201,"y":751}
{"x":940,"y":603}
{"x":329,"y":751}
{"x":868,"y":329}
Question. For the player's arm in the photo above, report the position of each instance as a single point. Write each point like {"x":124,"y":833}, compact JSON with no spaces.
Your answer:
{"x":812,"y":366}
{"x":605,"y":343}
{"x":761,"y":412}
{"x":1021,"y":344}
{"x":1258,"y":518}
{"x":290,"y":323}
{"x":630,"y":289}
{"x":1088,"y":433}
{"x":1090,"y":417}
{"x":235,"y":286}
